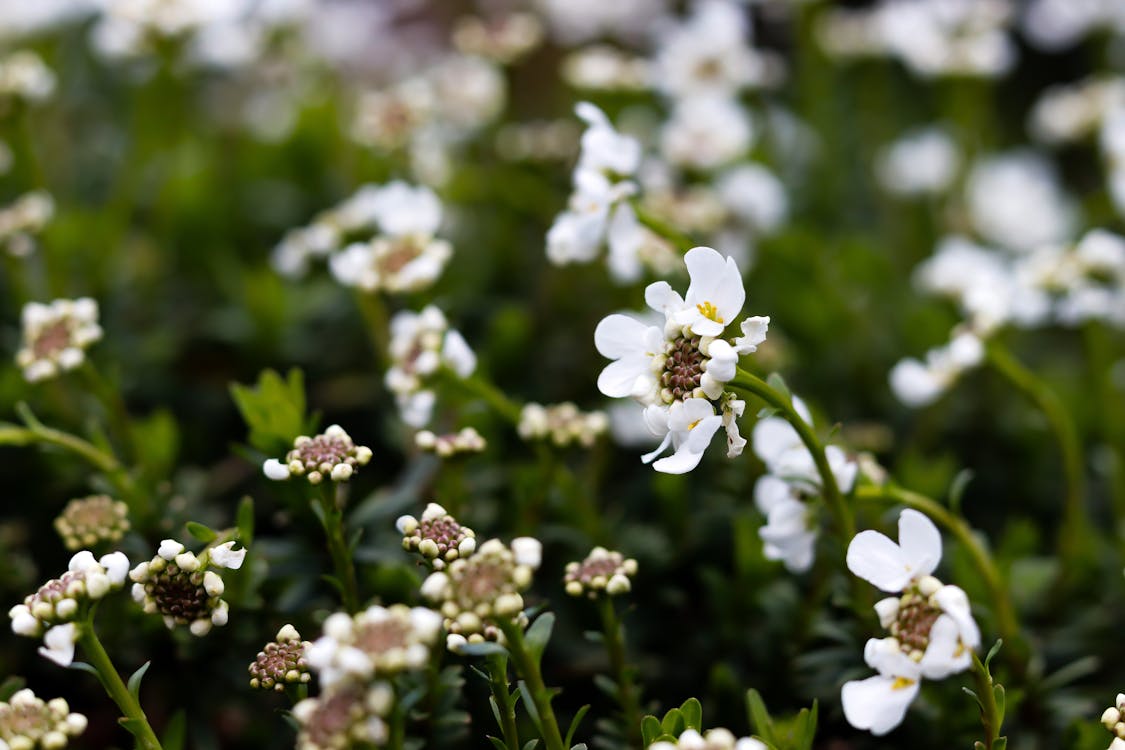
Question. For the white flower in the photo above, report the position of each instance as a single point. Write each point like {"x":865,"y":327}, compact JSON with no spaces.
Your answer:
{"x":755,"y":196}
{"x":421,"y":344}
{"x":116,"y":565}
{"x":690,"y":425}
{"x":779,"y":446}
{"x":169,"y":548}
{"x":933,"y":632}
{"x":603,"y":148}
{"x":753,"y":334}
{"x":56,"y":336}
{"x":919,"y":384}
{"x":1015,"y":201}
{"x":706,"y":131}
{"x":226,"y":556}
{"x":788,"y":535}
{"x":59,"y":644}
{"x":527,"y":551}
{"x":921,"y":162}
{"x":715,"y":295}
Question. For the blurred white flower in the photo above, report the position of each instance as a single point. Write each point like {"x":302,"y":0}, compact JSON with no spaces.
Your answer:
{"x":921,"y":162}
{"x":1015,"y":201}
{"x":56,"y":336}
{"x":706,"y":131}
{"x":422,"y":344}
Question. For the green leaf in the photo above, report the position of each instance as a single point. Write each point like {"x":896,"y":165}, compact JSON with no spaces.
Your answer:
{"x":274,"y":410}
{"x":84,"y":667}
{"x":673,"y":723}
{"x":692,"y":712}
{"x":539,"y":634}
{"x":992,"y":653}
{"x":766,"y":412}
{"x":759,"y":717}
{"x":483,"y":649}
{"x":579,"y":746}
{"x":156,"y":440}
{"x":777,"y":382}
{"x":606,"y":685}
{"x":957,"y":489}
{"x":650,"y":729}
{"x":969,"y":691}
{"x":496,"y":743}
{"x":1001,"y":743}
{"x":574,"y":724}
{"x":244,"y":521}
{"x":201,"y":532}
{"x":530,"y":744}
{"x":1001,"y":701}
{"x":529,"y":706}
{"x":175,"y":732}
{"x":135,"y":681}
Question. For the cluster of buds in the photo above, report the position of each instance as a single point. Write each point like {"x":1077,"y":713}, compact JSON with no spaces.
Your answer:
{"x":712,"y":739}
{"x":282,"y":662}
{"x":602,"y":570}
{"x":437,"y":537}
{"x":503,"y":40}
{"x":52,"y":609}
{"x":331,"y":454}
{"x":562,"y":423}
{"x":423,"y":344}
{"x":24,"y":217}
{"x":1113,"y":719}
{"x":55,"y":336}
{"x":348,"y":717}
{"x":466,"y":440}
{"x":88,"y":521}
{"x":183,"y":588}
{"x":375,"y":643}
{"x":27,"y":722}
{"x":477,"y":592}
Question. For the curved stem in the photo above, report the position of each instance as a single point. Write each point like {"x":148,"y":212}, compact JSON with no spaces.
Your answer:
{"x":505,"y":705}
{"x":490,"y":394}
{"x":1006,"y":623}
{"x":332,"y":519}
{"x":1072,"y":532}
{"x":527,"y":667}
{"x":626,"y":691}
{"x":842,"y":514}
{"x":115,"y":687}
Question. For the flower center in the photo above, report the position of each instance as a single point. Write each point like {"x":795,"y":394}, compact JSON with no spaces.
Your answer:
{"x":484,"y":580}
{"x":52,"y":339}
{"x":330,"y":724}
{"x":709,"y":311}
{"x":445,"y":532}
{"x":180,"y":595}
{"x":901,"y":683}
{"x":401,"y":252}
{"x":683,"y":369}
{"x":320,"y":450}
{"x":380,"y":637}
{"x":915,"y":620}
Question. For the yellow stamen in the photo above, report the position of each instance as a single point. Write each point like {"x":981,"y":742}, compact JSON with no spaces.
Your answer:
{"x":693,"y":424}
{"x":709,"y":311}
{"x":901,"y":682}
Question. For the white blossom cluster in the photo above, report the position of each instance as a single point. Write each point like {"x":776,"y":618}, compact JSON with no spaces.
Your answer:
{"x":185,"y":588}
{"x":437,"y":536}
{"x":504,"y":39}
{"x":24,"y":75}
{"x":24,"y":217}
{"x":56,"y":336}
{"x":790,"y":532}
{"x":422,"y":345}
{"x":88,"y":521}
{"x":29,"y":723}
{"x":396,"y":249}
{"x":1053,"y":25}
{"x":52,"y":611}
{"x":430,"y":112}
{"x":932,"y":630}
{"x":677,"y":370}
{"x":331,"y":455}
{"x":350,"y":716}
{"x":1113,"y":719}
{"x":600,"y":571}
{"x":562,"y":424}
{"x":377,"y":643}
{"x":923,"y":162}
{"x":281,"y":662}
{"x":712,"y":739}
{"x":478,"y":590}
{"x":465,"y":440}
{"x":932,"y":38}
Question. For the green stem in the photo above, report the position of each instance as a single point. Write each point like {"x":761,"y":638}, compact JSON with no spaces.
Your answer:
{"x":397,"y":738}
{"x":375,"y":316}
{"x":114,"y":405}
{"x":627,"y":696}
{"x":490,"y":394}
{"x":841,"y":513}
{"x":505,"y":705}
{"x":527,"y":667}
{"x":990,"y":714}
{"x":115,"y":687}
{"x":1006,"y":623}
{"x":1072,"y":533}
{"x":332,"y":519}
{"x":663,"y":228}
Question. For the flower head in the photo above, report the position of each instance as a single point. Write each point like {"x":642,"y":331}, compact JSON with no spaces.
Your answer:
{"x":932,"y":630}
{"x":377,"y":642}
{"x":437,"y":536}
{"x":56,"y":336}
{"x":421,"y":345}
{"x":329,"y":455}
{"x":88,"y":521}
{"x":28,"y":722}
{"x":602,"y":571}
{"x":477,"y":592}
{"x":1113,"y":719}
{"x":185,"y":588}
{"x":344,"y":717}
{"x":465,"y":440}
{"x":712,"y":739}
{"x":562,"y":423}
{"x":282,"y":662}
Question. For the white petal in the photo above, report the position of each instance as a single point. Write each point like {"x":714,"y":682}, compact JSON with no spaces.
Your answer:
{"x":877,"y":704}
{"x":690,"y":452}
{"x":879,"y":561}
{"x":955,"y":603}
{"x":945,"y":654}
{"x":226,"y":556}
{"x":59,"y":644}
{"x":772,"y":437}
{"x":527,"y":551}
{"x":920,"y":542}
{"x":619,"y":336}
{"x":886,"y":656}
{"x":619,"y":378}
{"x":275,"y":470}
{"x":663,"y":299}
{"x":770,"y":491}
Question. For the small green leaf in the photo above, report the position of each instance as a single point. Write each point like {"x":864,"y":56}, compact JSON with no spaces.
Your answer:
{"x":135,"y":680}
{"x":579,"y":746}
{"x":692,"y":712}
{"x":957,"y":489}
{"x":673,"y":723}
{"x":11,"y":686}
{"x":84,"y":667}
{"x":992,"y":653}
{"x":497,"y":743}
{"x":244,"y":521}
{"x":530,"y":744}
{"x":1001,"y":701}
{"x":759,"y":717}
{"x":201,"y":532}
{"x":606,"y":685}
{"x":539,"y":634}
{"x":970,"y":692}
{"x":574,"y":723}
{"x":777,"y":382}
{"x":483,"y":649}
{"x":529,"y":706}
{"x":1001,"y":743}
{"x":175,"y":732}
{"x":495,"y":710}
{"x":650,"y":729}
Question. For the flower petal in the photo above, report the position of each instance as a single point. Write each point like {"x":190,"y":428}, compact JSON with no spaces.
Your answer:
{"x":955,"y":603}
{"x":945,"y":654}
{"x":920,"y":541}
{"x":619,"y":335}
{"x":877,"y":704}
{"x":879,"y":561}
